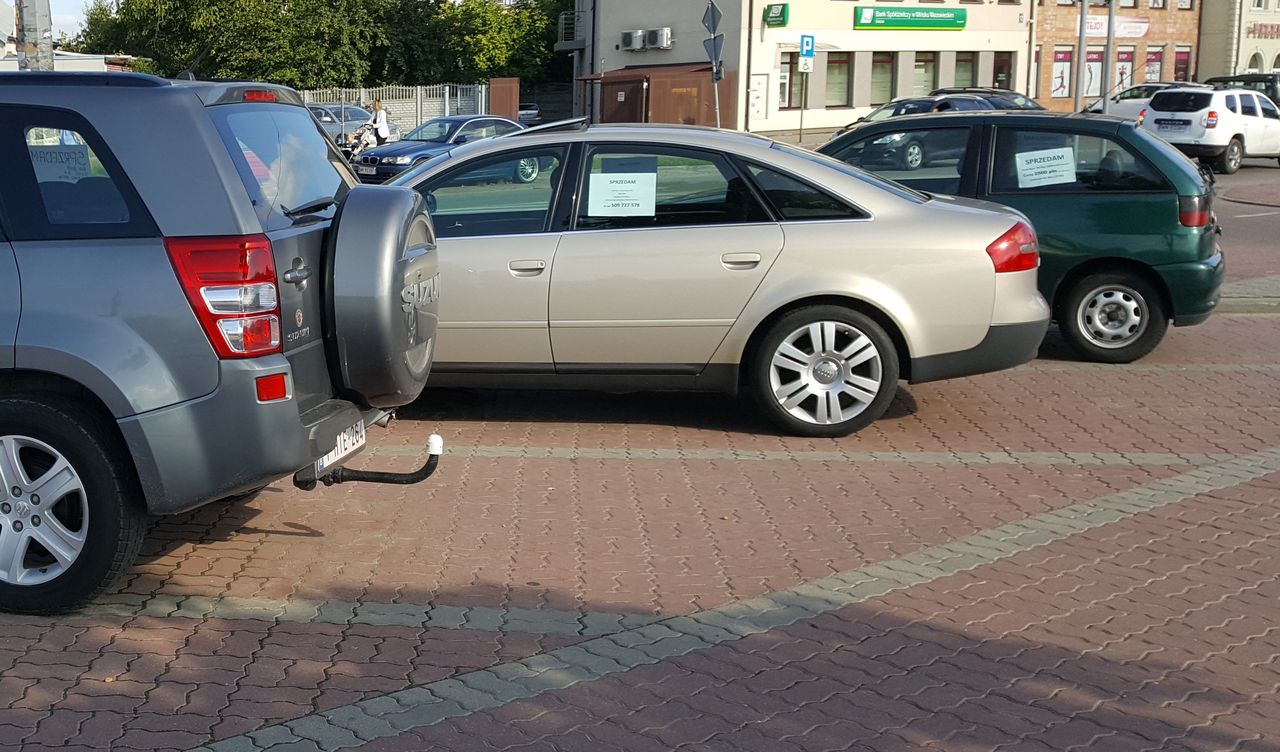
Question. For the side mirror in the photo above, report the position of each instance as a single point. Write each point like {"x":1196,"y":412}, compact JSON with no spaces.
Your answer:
{"x":431,"y":203}
{"x":460,"y":139}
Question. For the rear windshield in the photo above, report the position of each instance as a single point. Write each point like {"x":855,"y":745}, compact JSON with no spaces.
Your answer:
{"x":1181,"y":101}
{"x":285,"y":161}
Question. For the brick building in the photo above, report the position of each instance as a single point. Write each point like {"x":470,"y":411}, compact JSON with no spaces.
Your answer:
{"x":1156,"y":40}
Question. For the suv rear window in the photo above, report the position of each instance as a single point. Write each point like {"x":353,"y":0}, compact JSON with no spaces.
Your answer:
{"x":283,"y":158}
{"x":1181,"y":101}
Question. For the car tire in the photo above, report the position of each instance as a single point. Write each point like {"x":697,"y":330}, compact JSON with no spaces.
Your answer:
{"x":823,"y":371}
{"x":1229,"y":161}
{"x":96,"y":522}
{"x":1112,"y":317}
{"x":526,"y":171}
{"x":913,"y":156}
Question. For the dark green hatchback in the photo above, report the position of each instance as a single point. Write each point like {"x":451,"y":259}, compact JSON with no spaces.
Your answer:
{"x":1128,"y":237}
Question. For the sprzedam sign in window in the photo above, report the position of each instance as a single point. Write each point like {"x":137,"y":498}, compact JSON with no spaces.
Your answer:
{"x":625,"y":187}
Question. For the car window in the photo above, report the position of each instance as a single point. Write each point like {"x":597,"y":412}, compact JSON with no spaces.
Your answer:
{"x":476,"y":130}
{"x":794,"y":199}
{"x":74,"y":186}
{"x":967,"y":104}
{"x":1044,"y":161}
{"x":321,"y":113}
{"x":1268,"y":108}
{"x":1247,"y":105}
{"x":883,"y":112}
{"x":1181,"y":101}
{"x":355,"y":113}
{"x":929,"y":159}
{"x":505,"y":128}
{"x":638,"y":187}
{"x":505,"y":194}
{"x":284,"y":160}
{"x":435,"y":131}
{"x":1137,"y":92}
{"x":1233,"y":104}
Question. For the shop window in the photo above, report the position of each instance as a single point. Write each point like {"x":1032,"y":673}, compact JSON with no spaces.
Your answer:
{"x":1002,"y":70}
{"x":966,"y":69}
{"x":839,"y":65}
{"x":882,"y":76}
{"x":925,"y":76}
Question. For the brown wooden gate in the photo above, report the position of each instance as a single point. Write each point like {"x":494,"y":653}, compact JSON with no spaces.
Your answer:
{"x":624,"y":100}
{"x":504,"y":97}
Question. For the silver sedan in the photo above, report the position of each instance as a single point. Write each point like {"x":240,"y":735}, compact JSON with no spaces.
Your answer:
{"x":678,"y":258}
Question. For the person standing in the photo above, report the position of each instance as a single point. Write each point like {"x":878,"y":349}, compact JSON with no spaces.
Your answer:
{"x":381,"y":131}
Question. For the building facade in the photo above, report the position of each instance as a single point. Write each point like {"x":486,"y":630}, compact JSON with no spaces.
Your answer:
{"x":1240,"y":36}
{"x":1155,"y":40}
{"x":866,"y":52}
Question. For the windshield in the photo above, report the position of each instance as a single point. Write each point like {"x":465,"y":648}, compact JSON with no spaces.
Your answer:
{"x":832,"y":163}
{"x":353,"y":113}
{"x":915,"y":106}
{"x":435,"y":131}
{"x":1020,"y":101}
{"x":883,"y":112}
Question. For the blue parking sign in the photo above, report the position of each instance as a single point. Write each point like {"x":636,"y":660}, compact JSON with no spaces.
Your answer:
{"x":806,"y":45}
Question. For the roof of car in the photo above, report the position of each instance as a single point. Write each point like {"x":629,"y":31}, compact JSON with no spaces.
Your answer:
{"x":1011,"y":117}
{"x":1245,"y":77}
{"x":687,"y":135}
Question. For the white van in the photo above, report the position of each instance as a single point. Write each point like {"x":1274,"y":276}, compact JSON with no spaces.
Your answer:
{"x":1220,"y":126}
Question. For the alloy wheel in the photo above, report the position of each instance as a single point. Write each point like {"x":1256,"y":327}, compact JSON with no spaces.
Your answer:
{"x":44,"y":512}
{"x":826,"y":372}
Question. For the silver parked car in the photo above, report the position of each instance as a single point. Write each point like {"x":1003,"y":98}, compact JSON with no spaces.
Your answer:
{"x":342,"y":120}
{"x":670,"y":257}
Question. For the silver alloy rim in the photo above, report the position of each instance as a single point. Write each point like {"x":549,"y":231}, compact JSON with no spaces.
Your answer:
{"x":528,"y":170}
{"x":1113,"y":316}
{"x":825,"y":373}
{"x":44,"y":512}
{"x":1234,"y":152}
{"x":915,"y":155}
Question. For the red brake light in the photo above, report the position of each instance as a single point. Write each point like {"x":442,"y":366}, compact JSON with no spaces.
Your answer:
{"x":1194,"y":211}
{"x":1142,"y":116}
{"x":1015,"y":251}
{"x":230,"y":282}
{"x":259,"y":95}
{"x":1211,"y":120}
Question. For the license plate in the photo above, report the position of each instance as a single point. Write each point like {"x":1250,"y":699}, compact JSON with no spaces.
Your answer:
{"x":347,"y":442}
{"x":362,"y":170}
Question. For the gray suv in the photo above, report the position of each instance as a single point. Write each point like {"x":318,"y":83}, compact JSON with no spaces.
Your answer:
{"x":197,"y":298}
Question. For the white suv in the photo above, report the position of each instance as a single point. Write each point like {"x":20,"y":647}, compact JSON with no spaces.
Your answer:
{"x":1223,"y":125}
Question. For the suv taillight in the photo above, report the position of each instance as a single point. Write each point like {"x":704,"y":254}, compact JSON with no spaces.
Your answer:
{"x":1194,"y":211}
{"x":1015,"y":251}
{"x":230,"y":282}
{"x":1211,"y":120}
{"x":1142,"y":116}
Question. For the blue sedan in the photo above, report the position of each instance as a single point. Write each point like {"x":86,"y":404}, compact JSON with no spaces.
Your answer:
{"x":433,"y":137}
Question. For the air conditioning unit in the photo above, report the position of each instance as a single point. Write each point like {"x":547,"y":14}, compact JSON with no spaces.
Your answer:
{"x":633,"y":40}
{"x":658,"y":39}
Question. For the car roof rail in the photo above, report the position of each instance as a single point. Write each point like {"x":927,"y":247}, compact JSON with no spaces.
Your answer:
{"x":572,"y":124}
{"x":97,"y":78}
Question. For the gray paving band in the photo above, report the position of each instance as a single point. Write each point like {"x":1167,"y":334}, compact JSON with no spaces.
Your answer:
{"x":732,"y":455}
{"x":391,"y":715}
{"x":425,"y":616}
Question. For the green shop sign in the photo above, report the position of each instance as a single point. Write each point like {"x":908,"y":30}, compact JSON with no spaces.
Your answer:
{"x":926,"y":19}
{"x":777,"y":14}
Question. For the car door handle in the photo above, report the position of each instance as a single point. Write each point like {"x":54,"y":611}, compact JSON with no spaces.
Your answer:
{"x":741,"y":260}
{"x":527,"y":267}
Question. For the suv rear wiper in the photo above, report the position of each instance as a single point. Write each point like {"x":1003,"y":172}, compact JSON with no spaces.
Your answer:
{"x":311,"y":207}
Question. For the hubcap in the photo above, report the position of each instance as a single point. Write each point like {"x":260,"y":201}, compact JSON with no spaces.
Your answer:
{"x":915,"y":155}
{"x":1113,"y":316}
{"x":44,"y":513}
{"x":826,"y":373}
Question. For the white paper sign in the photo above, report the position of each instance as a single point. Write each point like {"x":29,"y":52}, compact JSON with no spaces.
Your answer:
{"x":65,"y":164}
{"x":623,"y":194}
{"x":1048,"y":167}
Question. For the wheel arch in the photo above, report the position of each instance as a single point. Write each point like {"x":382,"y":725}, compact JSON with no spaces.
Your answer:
{"x":870,"y":310}
{"x":1103,"y":265}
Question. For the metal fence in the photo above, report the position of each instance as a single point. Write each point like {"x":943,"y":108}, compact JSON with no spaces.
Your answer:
{"x":410,"y":106}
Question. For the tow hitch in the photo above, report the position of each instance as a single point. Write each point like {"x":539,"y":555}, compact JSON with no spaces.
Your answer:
{"x":435,"y":448}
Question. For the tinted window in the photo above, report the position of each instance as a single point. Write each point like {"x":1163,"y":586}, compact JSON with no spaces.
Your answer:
{"x":1232,"y":104}
{"x":1181,"y":101}
{"x":1032,"y":161}
{"x":284,"y":159}
{"x":436,"y":131}
{"x":926,"y":158}
{"x":505,"y":128}
{"x":505,"y":194}
{"x":1268,"y":109}
{"x":1137,"y":92}
{"x":74,"y":186}
{"x":796,"y":200}
{"x":660,"y":187}
{"x":1247,"y":106}
{"x":827,"y":159}
{"x":477,"y":130}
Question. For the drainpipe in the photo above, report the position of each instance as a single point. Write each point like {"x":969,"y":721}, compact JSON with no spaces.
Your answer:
{"x":745,"y":101}
{"x":1235,"y":38}
{"x":1033,"y":85}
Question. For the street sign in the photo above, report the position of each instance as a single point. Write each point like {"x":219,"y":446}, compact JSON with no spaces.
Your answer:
{"x":711,"y":19}
{"x":805,"y":65}
{"x":807,"y":45}
{"x":715,"y":47}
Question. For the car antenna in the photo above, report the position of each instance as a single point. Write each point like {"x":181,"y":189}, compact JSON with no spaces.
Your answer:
{"x":188,"y":73}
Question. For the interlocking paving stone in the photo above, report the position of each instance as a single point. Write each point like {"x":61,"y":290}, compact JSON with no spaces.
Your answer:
{"x":769,"y":613}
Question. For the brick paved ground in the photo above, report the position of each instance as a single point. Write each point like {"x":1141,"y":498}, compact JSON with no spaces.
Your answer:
{"x":1065,"y":556}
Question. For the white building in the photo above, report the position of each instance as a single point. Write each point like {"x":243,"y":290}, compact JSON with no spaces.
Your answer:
{"x":867,"y":52}
{"x":1239,"y":36}
{"x":8,"y":28}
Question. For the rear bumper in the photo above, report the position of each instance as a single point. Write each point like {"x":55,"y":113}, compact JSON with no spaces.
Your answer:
{"x":1201,"y":151}
{"x":227,"y":442}
{"x":1195,"y":288}
{"x":1005,"y":346}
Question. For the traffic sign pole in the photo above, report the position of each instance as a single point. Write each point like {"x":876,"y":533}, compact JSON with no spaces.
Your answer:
{"x":715,"y":50}
{"x":808,"y":45}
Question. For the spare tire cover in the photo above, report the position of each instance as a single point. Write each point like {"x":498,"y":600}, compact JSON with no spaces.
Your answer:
{"x":384,"y":295}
